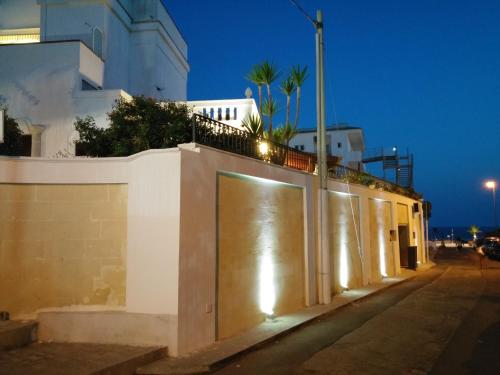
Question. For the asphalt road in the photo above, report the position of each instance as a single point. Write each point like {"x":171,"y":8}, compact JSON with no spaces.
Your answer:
{"x":444,"y":321}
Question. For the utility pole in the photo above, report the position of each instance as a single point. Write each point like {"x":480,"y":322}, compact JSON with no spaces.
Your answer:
{"x":323,"y":230}
{"x":322,"y":166}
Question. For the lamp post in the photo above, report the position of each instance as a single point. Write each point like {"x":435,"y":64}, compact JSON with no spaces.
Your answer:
{"x":492,"y":184}
{"x":323,"y":233}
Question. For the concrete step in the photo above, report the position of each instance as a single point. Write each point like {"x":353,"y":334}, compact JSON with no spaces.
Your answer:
{"x":81,"y":359}
{"x":17,"y":333}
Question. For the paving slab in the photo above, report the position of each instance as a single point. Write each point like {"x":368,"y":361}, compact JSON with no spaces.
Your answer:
{"x":221,"y":352}
{"x":77,"y":359}
{"x":409,"y":337}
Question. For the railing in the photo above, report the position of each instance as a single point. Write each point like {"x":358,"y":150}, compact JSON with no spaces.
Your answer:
{"x":353,"y":176}
{"x":215,"y":134}
{"x":379,"y":153}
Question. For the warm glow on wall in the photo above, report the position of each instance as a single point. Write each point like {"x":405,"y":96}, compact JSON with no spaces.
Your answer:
{"x":344,"y":267}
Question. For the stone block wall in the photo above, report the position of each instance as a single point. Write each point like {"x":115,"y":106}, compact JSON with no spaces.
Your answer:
{"x":62,"y":245}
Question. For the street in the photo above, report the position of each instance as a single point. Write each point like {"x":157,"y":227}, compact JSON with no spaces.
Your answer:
{"x":444,"y":321}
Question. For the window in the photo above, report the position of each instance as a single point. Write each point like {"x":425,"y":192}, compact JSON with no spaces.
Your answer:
{"x":235,"y":113}
{"x":339,"y":144}
{"x":296,"y":147}
{"x":204,"y":112}
{"x":301,"y":147}
{"x":212,"y":113}
{"x":228,"y":114}
{"x":315,"y":139}
{"x":97,"y":41}
{"x":219,"y":114}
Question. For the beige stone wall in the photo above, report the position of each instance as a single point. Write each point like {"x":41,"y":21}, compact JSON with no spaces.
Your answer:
{"x":381,"y":247}
{"x":344,"y":242}
{"x":260,"y":251}
{"x":403,"y":214}
{"x":62,"y":245}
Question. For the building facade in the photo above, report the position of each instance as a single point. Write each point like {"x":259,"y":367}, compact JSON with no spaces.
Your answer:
{"x":346,"y":142}
{"x":62,"y":59}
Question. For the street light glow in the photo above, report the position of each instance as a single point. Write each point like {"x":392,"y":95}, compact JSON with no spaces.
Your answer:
{"x":490,"y":184}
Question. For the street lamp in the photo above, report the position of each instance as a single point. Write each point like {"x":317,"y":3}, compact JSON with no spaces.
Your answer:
{"x":323,"y":234}
{"x":492,"y":184}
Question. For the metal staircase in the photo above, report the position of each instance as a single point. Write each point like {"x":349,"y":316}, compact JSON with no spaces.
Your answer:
{"x":400,"y":164}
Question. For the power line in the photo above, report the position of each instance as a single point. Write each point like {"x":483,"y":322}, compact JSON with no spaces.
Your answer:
{"x":313,"y":21}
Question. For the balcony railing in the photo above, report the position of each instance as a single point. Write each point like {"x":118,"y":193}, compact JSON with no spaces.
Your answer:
{"x":215,"y":134}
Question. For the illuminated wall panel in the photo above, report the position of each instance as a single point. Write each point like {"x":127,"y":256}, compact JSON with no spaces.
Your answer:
{"x":260,"y":252}
{"x":345,"y":242}
{"x":382,"y":254}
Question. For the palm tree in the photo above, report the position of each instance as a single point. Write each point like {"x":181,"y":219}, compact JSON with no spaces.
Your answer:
{"x":284,"y":134}
{"x":255,"y":76}
{"x":288,"y":87}
{"x":253,"y":125}
{"x":269,"y":110}
{"x":269,"y":75}
{"x":474,"y":230}
{"x":299,"y":76}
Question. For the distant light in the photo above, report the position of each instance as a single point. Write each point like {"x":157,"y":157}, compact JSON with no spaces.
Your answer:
{"x":490,"y":184}
{"x":394,"y":149}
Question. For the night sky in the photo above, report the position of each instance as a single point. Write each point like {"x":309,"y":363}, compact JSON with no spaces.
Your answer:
{"x":419,"y":74}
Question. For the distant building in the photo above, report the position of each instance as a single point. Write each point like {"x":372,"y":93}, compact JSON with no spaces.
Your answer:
{"x":67,"y":58}
{"x":229,"y":111}
{"x":343,"y":141}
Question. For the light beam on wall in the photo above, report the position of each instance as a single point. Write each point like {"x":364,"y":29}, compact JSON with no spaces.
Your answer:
{"x":381,"y":246}
{"x":267,"y":290}
{"x":344,"y":268}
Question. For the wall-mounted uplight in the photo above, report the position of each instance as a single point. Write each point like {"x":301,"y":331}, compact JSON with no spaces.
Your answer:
{"x":263,"y":148}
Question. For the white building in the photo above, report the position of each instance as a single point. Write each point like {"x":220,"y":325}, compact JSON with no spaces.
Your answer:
{"x":60,"y":59}
{"x":229,"y":111}
{"x":344,"y":141}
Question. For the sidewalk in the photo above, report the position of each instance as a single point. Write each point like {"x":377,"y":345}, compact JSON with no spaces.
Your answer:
{"x":219,"y":353}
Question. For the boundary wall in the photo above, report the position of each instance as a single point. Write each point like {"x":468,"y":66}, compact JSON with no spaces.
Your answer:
{"x":171,"y":262}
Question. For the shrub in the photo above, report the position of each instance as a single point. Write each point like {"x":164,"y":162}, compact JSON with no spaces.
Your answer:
{"x":136,"y":125}
{"x":12,"y":145}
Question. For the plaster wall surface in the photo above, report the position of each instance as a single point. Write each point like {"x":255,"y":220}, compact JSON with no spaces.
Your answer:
{"x":381,"y":249}
{"x":260,"y":253}
{"x":345,"y":242}
{"x":19,"y":14}
{"x":151,"y":183}
{"x":62,"y":245}
{"x":198,"y":242}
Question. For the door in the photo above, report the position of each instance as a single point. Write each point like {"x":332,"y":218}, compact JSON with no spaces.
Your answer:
{"x":403,"y":245}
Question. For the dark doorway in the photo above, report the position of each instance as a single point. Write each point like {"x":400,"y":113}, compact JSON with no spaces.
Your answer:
{"x":403,"y":245}
{"x":25,"y":147}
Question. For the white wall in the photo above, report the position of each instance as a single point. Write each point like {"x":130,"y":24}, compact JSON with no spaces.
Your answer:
{"x":19,"y":14}
{"x":349,"y":157}
{"x":244,"y":108}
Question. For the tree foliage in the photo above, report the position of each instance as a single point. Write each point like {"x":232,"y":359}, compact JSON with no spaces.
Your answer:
{"x":12,"y":137}
{"x":136,"y":125}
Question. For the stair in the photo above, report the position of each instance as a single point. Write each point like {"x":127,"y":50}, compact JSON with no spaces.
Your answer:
{"x":17,"y":333}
